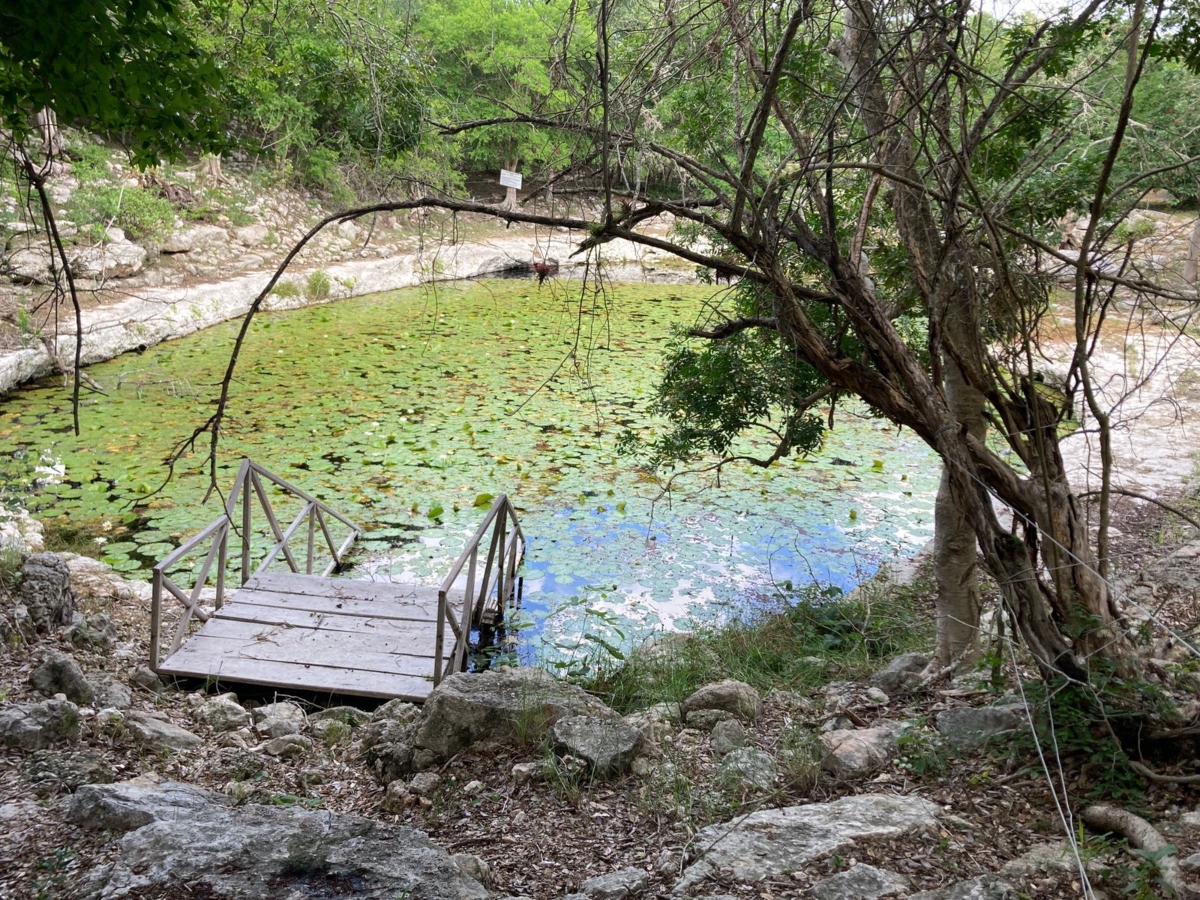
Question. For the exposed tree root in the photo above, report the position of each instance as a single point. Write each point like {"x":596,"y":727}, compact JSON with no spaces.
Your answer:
{"x":1140,"y":834}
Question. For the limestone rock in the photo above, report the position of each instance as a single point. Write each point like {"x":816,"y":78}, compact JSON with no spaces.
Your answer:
{"x":93,"y":632}
{"x":387,"y":741}
{"x":59,"y":673}
{"x":983,"y":887}
{"x":39,"y":725}
{"x":607,"y":746}
{"x":32,"y":265}
{"x":109,"y":693}
{"x":223,"y":713}
{"x":424,"y":783}
{"x":1054,"y":858}
{"x":181,"y":835}
{"x":277,"y":719}
{"x":749,"y":768}
{"x":853,"y":752}
{"x":735,"y":697}
{"x":129,"y":805}
{"x":119,"y":260}
{"x":159,"y":734}
{"x":616,"y":885}
{"x":656,"y":723}
{"x":708,"y":719}
{"x":52,"y":771}
{"x":250,"y":235}
{"x":728,"y":736}
{"x":45,"y":592}
{"x":777,"y":841}
{"x":862,"y":882}
{"x":195,"y":237}
{"x":288,"y":746}
{"x":497,"y":706}
{"x":968,"y":727}
{"x":474,"y":867}
{"x":147,"y":679}
{"x":349,"y":715}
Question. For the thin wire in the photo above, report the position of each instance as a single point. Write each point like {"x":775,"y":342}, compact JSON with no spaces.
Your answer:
{"x":1064,"y":814}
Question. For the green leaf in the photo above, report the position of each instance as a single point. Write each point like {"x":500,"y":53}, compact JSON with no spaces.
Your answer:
{"x":482,"y":500}
{"x":435,"y":511}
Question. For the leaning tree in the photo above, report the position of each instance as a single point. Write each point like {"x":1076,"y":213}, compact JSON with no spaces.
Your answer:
{"x":883,"y":179}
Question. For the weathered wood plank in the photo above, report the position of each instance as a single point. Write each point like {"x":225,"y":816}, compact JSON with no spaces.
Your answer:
{"x":320,"y":679}
{"x":414,"y":611}
{"x":417,"y":640}
{"x":275,"y":615}
{"x":319,"y":586}
{"x":200,"y":648}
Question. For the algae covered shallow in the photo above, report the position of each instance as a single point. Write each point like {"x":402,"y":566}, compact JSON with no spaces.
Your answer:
{"x":406,"y":411}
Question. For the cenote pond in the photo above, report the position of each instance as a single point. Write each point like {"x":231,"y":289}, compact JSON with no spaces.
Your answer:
{"x":401,"y":410}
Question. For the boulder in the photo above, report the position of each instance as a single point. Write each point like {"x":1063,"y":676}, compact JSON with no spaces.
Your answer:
{"x":93,"y":632}
{"x":195,"y":237}
{"x":159,"y":734}
{"x":903,"y":674}
{"x":778,"y":841}
{"x":749,"y":768}
{"x":39,"y":725}
{"x":968,"y":727}
{"x":616,"y":885}
{"x":32,"y":264}
{"x":708,"y":719}
{"x":109,"y":693}
{"x":251,"y":235}
{"x":387,"y":741}
{"x":862,"y":882}
{"x":1054,"y":858}
{"x":180,"y":835}
{"x":130,"y":805}
{"x":854,"y":752}
{"x":119,"y":260}
{"x":52,"y":771}
{"x":147,"y":679}
{"x":607,"y":746}
{"x":730,"y":696}
{"x":223,"y":713}
{"x":59,"y":673}
{"x":728,"y":736}
{"x":288,"y":746}
{"x":474,"y":867}
{"x":277,"y":719}
{"x":656,"y":723}
{"x":503,"y":705}
{"x":45,"y":592}
{"x":982,"y":887}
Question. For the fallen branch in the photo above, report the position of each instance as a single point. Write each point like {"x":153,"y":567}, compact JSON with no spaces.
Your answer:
{"x":1144,"y":836}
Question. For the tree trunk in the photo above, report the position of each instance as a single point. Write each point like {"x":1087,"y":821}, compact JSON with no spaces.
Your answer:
{"x":210,"y":170}
{"x":955,"y":553}
{"x":47,"y":124}
{"x":1192,"y":264}
{"x":510,"y":198}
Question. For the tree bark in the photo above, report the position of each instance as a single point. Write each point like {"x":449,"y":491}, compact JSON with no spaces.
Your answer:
{"x":1191,"y":267}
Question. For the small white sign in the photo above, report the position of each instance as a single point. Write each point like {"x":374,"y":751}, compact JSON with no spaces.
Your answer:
{"x":510,"y":179}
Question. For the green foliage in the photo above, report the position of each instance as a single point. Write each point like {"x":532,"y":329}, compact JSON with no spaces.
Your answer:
{"x":318,"y":285}
{"x":921,"y":752}
{"x":1086,"y":723}
{"x":121,"y":66}
{"x":817,"y":633}
{"x":142,"y":215}
{"x":316,"y":83}
{"x":286,"y":290}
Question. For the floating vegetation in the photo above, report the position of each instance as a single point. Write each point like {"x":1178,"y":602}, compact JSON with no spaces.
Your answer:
{"x":410,"y":411}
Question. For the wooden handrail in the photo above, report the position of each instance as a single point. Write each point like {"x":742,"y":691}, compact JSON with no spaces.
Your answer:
{"x":247,"y":486}
{"x":504,"y":570}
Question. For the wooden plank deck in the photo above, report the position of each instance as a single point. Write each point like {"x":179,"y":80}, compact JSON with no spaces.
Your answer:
{"x":365,"y":638}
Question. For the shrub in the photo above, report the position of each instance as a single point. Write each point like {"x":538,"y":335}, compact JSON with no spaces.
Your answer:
{"x":286,"y":290}
{"x":140,"y":214}
{"x":318,"y":286}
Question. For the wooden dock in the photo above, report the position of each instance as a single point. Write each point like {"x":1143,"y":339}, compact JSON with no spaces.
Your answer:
{"x":303,"y":631}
